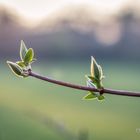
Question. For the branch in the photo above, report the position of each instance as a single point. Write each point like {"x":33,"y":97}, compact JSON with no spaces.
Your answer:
{"x":22,"y":68}
{"x":80,"y":87}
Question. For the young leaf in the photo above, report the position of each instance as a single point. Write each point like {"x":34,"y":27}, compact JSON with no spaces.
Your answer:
{"x":29,"y":56}
{"x":94,"y":69}
{"x":20,"y":63}
{"x":101,"y":97}
{"x":90,"y":96}
{"x":16,"y":69}
{"x":23,"y":50}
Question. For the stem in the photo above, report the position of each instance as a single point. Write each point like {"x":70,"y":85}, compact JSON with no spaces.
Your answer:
{"x":80,"y":87}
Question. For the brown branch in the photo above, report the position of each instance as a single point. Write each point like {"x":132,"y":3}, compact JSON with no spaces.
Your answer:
{"x":80,"y":87}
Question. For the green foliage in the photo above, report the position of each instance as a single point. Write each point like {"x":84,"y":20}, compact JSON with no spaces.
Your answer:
{"x":21,"y":68}
{"x":16,"y":69}
{"x":20,"y":63}
{"x":95,"y":73}
{"x":95,"y":79}
{"x":29,"y":56}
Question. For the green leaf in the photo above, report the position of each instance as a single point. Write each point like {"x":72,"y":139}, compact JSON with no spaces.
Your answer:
{"x":23,"y":50}
{"x":20,"y":63}
{"x":16,"y":69}
{"x":29,"y":56}
{"x":90,"y":96}
{"x":101,"y":97}
{"x":95,"y":73}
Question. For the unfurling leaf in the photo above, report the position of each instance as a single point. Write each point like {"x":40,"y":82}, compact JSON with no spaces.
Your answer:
{"x":94,"y":68}
{"x":23,"y":50}
{"x":95,"y":80}
{"x":29,"y":56}
{"x":16,"y":69}
{"x":90,"y":95}
{"x":20,"y":63}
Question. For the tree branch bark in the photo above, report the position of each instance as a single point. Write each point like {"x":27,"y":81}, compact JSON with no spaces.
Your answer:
{"x":80,"y":87}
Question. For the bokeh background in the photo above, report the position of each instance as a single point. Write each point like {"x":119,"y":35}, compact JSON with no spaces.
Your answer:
{"x":64,"y":34}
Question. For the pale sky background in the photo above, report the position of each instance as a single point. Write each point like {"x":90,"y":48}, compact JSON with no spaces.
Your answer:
{"x":36,"y":10}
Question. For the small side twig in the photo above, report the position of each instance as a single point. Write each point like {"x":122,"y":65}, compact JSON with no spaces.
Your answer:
{"x":80,"y":87}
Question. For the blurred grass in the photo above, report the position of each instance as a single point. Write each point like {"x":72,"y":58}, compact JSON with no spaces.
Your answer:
{"x":33,"y":109}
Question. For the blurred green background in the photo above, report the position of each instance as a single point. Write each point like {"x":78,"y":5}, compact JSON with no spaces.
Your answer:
{"x":31,"y":109}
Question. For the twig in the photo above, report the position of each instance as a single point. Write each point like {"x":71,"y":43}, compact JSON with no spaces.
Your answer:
{"x":80,"y":87}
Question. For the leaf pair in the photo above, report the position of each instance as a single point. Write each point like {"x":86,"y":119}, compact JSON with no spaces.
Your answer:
{"x":95,"y":80}
{"x":16,"y":69}
{"x":26,"y":55}
{"x":20,"y":68}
